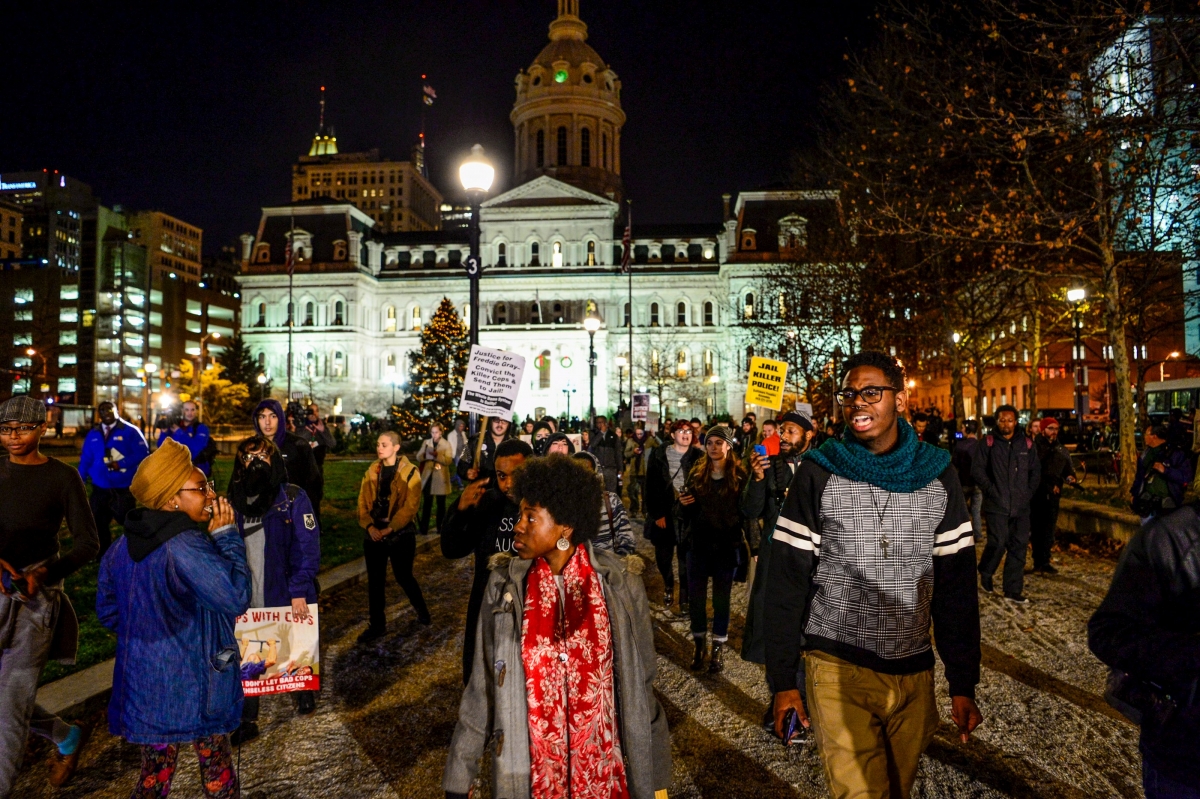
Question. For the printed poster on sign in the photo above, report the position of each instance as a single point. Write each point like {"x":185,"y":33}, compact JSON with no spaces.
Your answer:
{"x":492,"y":382}
{"x":639,"y":407}
{"x":279,"y":653}
{"x":764,"y":386}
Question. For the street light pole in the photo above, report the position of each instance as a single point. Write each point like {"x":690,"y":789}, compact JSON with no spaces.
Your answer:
{"x":262,"y":386}
{"x":1076,"y":297}
{"x":200,"y":375}
{"x":476,"y":174}
{"x":591,"y":324}
{"x":621,"y":361}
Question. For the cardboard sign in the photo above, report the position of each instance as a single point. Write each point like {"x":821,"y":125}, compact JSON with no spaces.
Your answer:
{"x":492,"y":383}
{"x":639,"y":407}
{"x":280,"y":654}
{"x":765,"y":383}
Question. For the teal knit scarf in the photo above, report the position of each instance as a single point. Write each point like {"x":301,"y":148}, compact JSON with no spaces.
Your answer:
{"x":911,"y":466}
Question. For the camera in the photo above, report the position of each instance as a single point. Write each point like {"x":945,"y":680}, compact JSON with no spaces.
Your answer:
{"x":170,"y":417}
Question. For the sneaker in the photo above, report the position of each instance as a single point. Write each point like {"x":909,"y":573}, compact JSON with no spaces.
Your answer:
{"x":370,"y":634}
{"x":768,"y":719}
{"x":1019,"y":599}
{"x":985,"y":580}
{"x":668,"y":598}
{"x":62,"y":767}
{"x":246,"y":732}
{"x":1046,"y":569}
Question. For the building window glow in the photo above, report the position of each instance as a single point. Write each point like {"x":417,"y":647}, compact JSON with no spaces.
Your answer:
{"x":558,"y":254}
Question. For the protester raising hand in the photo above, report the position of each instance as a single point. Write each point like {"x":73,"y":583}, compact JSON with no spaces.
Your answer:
{"x":222,"y":514}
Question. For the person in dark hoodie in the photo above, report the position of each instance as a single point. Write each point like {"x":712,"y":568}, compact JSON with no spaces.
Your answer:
{"x":171,"y":589}
{"x":297,"y":455}
{"x":480,"y":522}
{"x":478,"y":459}
{"x":283,"y":548}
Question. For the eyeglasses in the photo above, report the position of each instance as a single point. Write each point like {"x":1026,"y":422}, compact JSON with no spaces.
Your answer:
{"x":255,"y":456}
{"x":25,"y":429}
{"x":208,"y":488}
{"x":870,"y":394}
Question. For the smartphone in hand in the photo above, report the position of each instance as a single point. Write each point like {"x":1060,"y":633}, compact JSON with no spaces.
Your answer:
{"x":791,"y":723}
{"x":760,"y":449}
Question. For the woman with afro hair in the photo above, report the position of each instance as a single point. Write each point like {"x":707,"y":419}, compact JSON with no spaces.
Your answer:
{"x":563,"y":643}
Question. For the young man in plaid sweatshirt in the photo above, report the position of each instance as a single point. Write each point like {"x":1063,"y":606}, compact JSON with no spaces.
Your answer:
{"x":874,"y":543}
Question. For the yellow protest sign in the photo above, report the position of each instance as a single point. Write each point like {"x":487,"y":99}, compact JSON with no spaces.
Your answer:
{"x":765,"y":384}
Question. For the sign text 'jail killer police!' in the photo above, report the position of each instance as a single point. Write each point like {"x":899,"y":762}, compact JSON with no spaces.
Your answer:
{"x":765,"y":384}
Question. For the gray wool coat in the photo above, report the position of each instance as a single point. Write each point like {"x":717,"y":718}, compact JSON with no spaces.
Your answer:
{"x":494,"y":712}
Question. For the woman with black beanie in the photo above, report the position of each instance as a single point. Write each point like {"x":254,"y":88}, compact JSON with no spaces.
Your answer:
{"x":283,"y":547}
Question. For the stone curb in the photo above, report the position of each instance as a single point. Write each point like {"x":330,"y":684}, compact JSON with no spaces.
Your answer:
{"x":69,"y":694}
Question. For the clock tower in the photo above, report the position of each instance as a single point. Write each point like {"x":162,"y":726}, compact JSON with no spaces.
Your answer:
{"x":567,"y":117}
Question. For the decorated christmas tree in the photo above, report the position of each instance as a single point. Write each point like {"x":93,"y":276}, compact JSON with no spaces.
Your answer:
{"x":436,"y":376}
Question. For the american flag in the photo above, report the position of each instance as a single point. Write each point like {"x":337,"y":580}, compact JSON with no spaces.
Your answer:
{"x":288,"y":260}
{"x":626,"y":242}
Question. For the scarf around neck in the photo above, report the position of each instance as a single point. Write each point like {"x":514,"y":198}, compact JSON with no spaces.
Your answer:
{"x":567,"y":651}
{"x":911,"y":466}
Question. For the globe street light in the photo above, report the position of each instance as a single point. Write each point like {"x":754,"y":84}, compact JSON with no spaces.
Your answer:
{"x":476,"y":174}
{"x":1076,"y":298}
{"x":262,"y":386}
{"x":621,"y":361}
{"x":591,"y":323}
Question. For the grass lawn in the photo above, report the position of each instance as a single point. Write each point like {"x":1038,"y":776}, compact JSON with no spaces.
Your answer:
{"x":341,"y":541}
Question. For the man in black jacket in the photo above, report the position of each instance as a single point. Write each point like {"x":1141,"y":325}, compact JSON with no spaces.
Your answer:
{"x":1055,"y":463}
{"x":608,"y":450}
{"x":1006,"y":468}
{"x":481,"y":522}
{"x":1148,"y":626}
{"x":872,"y":548}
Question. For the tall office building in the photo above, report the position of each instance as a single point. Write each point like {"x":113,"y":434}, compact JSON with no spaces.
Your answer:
{"x":172,"y":245}
{"x":11,"y":228}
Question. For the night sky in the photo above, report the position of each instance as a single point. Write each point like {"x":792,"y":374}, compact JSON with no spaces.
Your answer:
{"x":201,"y":111}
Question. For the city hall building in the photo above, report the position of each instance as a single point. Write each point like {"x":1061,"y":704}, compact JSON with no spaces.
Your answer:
{"x":551,"y":248}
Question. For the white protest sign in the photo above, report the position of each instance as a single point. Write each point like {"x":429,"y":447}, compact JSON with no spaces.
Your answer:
{"x":492,"y":382}
{"x":280,"y":653}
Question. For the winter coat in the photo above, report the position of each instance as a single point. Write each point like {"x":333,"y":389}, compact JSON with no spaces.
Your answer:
{"x":487,"y":454}
{"x":443,"y":454}
{"x":405,"y":495}
{"x":1148,"y":626}
{"x":297,"y":455}
{"x":292,"y":554}
{"x":1008,"y":472}
{"x":715,"y":529}
{"x":195,"y":437}
{"x":1056,"y":467}
{"x":962,"y":455}
{"x":660,"y":491}
{"x":494,"y":704}
{"x":177,"y":676}
{"x":636,"y":462}
{"x":1178,"y":473}
{"x":125,"y":439}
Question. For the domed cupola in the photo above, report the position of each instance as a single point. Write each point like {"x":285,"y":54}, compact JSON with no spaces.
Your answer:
{"x":567,"y":117}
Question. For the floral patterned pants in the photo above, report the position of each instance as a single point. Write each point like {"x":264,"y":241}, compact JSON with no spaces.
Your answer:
{"x":216,"y":769}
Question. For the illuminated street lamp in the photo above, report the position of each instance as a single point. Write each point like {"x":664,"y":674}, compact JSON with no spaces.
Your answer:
{"x":476,"y":174}
{"x":262,"y":386}
{"x":1076,"y":298}
{"x":200,"y":375}
{"x":591,"y":324}
{"x":621,"y":361}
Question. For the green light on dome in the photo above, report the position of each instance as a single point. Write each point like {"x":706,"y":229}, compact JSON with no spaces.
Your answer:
{"x":560,"y":76}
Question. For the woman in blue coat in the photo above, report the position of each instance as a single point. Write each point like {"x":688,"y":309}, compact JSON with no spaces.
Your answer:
{"x":283,"y":547}
{"x":171,"y":589}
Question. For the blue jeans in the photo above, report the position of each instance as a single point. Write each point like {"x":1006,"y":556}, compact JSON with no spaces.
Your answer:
{"x":722,"y":580}
{"x":1158,"y":786}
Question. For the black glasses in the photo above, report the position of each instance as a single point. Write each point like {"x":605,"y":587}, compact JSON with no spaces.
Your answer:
{"x":25,"y":429}
{"x":870,"y":394}
{"x":208,"y":488}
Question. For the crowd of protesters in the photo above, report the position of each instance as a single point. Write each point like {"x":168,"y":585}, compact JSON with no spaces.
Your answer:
{"x":854,"y":540}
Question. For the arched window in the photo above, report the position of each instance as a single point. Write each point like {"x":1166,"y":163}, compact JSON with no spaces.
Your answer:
{"x":654,"y":314}
{"x":708,"y":363}
{"x":291,"y":314}
{"x":535,"y":313}
{"x":389,"y":319}
{"x":585,"y":147}
{"x":654,"y":362}
{"x":543,"y":367}
{"x":415,"y":318}
{"x":591,"y":253}
{"x":310,"y":313}
{"x":262,"y":360}
{"x":535,"y":250}
{"x":310,"y":364}
{"x":501,"y":313}
{"x":389,"y":366}
{"x":628,"y":321}
{"x":562,"y":147}
{"x":541,"y":148}
{"x":558,"y":253}
{"x":681,"y":364}
{"x":558,"y":313}
{"x":709,"y":321}
{"x":501,"y":254}
{"x":748,"y":306}
{"x":338,"y":368}
{"x":262,"y":315}
{"x":681,"y":314}
{"x":604,"y":150}
{"x":339,"y":313}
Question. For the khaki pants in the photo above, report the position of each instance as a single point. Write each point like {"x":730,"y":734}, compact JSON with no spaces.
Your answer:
{"x":871,"y":728}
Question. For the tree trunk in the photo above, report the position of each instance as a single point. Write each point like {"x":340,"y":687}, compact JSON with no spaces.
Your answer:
{"x":1139,"y":395}
{"x":1115,"y":324}
{"x":957,"y":402}
{"x":1035,"y":356}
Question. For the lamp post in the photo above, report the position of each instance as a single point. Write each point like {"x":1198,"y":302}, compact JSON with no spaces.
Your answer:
{"x":476,"y":174}
{"x":1076,"y":298}
{"x":591,"y":324}
{"x":200,"y":375}
{"x":262,"y":386}
{"x":712,"y":379}
{"x":621,"y":361}
{"x":148,"y":370}
{"x":567,"y":392}
{"x":32,"y":353}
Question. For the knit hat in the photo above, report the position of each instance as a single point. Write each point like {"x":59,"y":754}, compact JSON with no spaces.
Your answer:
{"x":721,"y":432}
{"x":24,"y":409}
{"x":796,"y":418}
{"x":160,"y":476}
{"x":1048,"y":420}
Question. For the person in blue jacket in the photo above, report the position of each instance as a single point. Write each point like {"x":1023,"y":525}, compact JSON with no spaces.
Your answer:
{"x":283,"y":547}
{"x":172,"y":589}
{"x":112,"y":452}
{"x":192,"y":434}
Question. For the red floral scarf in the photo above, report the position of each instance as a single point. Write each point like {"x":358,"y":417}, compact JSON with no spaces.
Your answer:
{"x":574,"y":749}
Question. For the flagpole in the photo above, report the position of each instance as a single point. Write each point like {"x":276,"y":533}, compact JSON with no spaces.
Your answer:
{"x":291,"y":303}
{"x":629,"y":272}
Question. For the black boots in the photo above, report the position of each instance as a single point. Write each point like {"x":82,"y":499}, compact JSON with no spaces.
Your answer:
{"x":669,"y":598}
{"x":698,"y":658}
{"x":716,"y":662}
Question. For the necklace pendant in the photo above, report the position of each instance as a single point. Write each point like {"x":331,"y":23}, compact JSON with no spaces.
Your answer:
{"x":884,"y":543}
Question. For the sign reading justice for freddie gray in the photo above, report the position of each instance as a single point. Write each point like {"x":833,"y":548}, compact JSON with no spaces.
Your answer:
{"x":765,"y":384}
{"x":492,"y":382}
